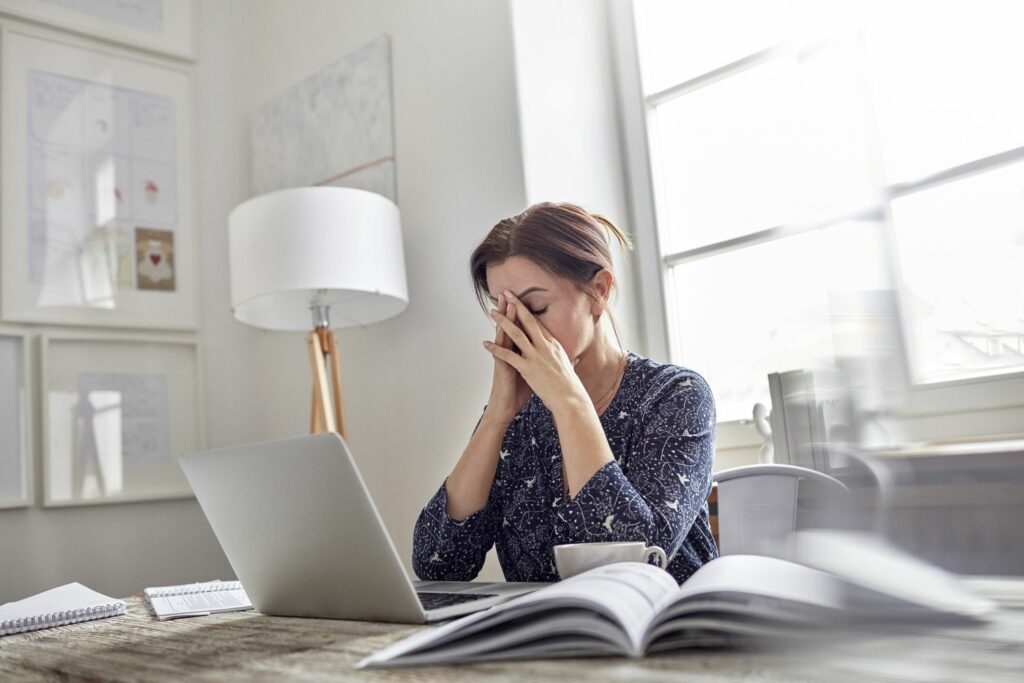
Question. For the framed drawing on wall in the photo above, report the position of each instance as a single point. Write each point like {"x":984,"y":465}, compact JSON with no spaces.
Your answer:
{"x":163,"y":26}
{"x":16,"y":470}
{"x":97,"y":214}
{"x":344,"y":112}
{"x":117,"y":413}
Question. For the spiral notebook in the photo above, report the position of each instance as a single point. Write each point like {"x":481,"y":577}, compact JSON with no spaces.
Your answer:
{"x":67,"y":604}
{"x":197,"y":599}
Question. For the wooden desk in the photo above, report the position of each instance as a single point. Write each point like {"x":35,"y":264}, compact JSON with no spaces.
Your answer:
{"x":244,"y":646}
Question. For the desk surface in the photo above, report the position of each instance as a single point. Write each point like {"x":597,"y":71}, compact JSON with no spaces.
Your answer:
{"x":253,"y":647}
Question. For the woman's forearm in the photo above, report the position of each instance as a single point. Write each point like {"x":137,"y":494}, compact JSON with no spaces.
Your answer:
{"x":469,"y":484}
{"x":585,"y":447}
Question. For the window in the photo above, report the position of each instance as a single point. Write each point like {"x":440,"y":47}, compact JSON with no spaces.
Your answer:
{"x":814,"y":164}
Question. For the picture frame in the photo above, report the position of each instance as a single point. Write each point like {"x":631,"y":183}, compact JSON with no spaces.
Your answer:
{"x":16,"y":462}
{"x":161,"y":26}
{"x":346,"y":111}
{"x":98,"y":222}
{"x":117,"y":412}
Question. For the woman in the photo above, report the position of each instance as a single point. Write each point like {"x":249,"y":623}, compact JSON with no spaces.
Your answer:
{"x":580,"y":441}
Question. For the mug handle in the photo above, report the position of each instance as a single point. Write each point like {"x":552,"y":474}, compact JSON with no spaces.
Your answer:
{"x":657,"y":553}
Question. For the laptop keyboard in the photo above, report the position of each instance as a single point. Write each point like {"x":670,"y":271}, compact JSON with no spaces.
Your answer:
{"x":431,"y":600}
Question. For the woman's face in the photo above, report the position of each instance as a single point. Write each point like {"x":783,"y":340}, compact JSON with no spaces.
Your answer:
{"x":567,"y":313}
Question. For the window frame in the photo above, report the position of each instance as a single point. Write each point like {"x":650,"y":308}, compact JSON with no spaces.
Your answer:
{"x":959,"y":401}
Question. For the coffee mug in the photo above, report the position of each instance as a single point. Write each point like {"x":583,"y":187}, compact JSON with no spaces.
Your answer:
{"x":574,"y":558}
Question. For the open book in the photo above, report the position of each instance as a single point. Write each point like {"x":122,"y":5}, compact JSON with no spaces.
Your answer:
{"x":631,"y":609}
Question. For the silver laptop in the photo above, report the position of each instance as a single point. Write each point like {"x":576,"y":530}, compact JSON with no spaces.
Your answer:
{"x":303,"y":536}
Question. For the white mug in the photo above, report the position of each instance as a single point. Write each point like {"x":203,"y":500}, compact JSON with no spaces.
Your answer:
{"x":574,"y":558}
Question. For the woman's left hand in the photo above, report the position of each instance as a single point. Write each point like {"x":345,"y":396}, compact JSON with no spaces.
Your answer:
{"x":542,"y":361}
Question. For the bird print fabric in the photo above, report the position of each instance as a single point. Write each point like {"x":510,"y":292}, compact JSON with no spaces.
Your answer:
{"x":661,"y":429}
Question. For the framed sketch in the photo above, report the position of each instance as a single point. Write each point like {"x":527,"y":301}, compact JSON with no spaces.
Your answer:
{"x":334,"y":128}
{"x":97,"y":176}
{"x":16,"y":481}
{"x":163,"y":26}
{"x":117,"y":413}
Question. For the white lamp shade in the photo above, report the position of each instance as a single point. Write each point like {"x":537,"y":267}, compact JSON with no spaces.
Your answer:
{"x":305,"y":246}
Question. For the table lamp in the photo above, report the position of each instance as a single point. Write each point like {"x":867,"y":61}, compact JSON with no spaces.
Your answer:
{"x":316,"y":258}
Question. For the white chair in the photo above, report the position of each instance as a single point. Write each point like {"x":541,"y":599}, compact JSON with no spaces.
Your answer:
{"x":757,"y":506}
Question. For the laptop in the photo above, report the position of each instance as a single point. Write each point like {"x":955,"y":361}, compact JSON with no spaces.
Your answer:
{"x":304,"y":537}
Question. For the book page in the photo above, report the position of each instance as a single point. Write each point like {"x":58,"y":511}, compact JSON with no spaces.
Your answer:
{"x":625,"y":593}
{"x":735,"y":595}
{"x":529,"y":636}
{"x":628,"y":592}
{"x":873,"y":564}
{"x":763,"y":576}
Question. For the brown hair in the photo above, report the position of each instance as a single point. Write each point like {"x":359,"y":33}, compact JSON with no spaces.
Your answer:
{"x":563,"y":239}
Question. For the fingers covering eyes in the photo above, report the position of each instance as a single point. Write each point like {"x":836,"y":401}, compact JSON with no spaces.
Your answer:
{"x":533,"y":327}
{"x":513,"y":331}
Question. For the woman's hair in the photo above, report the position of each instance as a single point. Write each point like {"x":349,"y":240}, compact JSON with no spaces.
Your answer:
{"x":563,"y":239}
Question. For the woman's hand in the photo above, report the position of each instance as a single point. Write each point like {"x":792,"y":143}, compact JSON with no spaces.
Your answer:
{"x":509,"y":391}
{"x":541,"y":360}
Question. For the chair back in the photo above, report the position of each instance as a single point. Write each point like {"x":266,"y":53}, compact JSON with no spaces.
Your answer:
{"x":756,"y":506}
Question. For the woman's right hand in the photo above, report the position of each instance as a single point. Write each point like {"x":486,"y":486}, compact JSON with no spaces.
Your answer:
{"x":509,"y":391}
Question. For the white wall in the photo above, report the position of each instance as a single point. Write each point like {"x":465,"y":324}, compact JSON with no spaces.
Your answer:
{"x":120,"y":549}
{"x":569,"y":121}
{"x":572,"y":131}
{"x":414,"y":385}
{"x":470,"y":151}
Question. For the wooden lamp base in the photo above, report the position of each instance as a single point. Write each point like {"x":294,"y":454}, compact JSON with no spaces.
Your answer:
{"x":327,"y":415}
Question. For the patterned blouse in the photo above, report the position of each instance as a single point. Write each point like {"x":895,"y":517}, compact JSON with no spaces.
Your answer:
{"x":661,"y":429}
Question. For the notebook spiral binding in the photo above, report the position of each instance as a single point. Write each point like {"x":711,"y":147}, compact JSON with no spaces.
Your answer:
{"x":62,"y":618}
{"x":193,"y":588}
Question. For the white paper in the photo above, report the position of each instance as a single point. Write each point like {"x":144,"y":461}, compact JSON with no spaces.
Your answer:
{"x":108,"y":111}
{"x":197,"y":604}
{"x":154,"y":194}
{"x":153,"y":127}
{"x":55,"y":108}
{"x":332,"y":128}
{"x":56,"y":182}
{"x":198,"y":599}
{"x":101,"y":160}
{"x":123,"y":417}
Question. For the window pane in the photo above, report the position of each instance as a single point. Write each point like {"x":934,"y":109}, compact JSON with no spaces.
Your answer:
{"x":682,"y":39}
{"x":946,"y":89}
{"x":783,"y":142}
{"x":779,"y":318}
{"x":943,"y":75}
{"x":961,"y":257}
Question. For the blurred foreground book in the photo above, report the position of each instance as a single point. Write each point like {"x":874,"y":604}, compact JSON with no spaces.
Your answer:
{"x":632,"y":609}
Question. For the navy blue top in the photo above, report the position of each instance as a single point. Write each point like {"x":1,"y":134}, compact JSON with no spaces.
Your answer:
{"x":661,"y":429}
